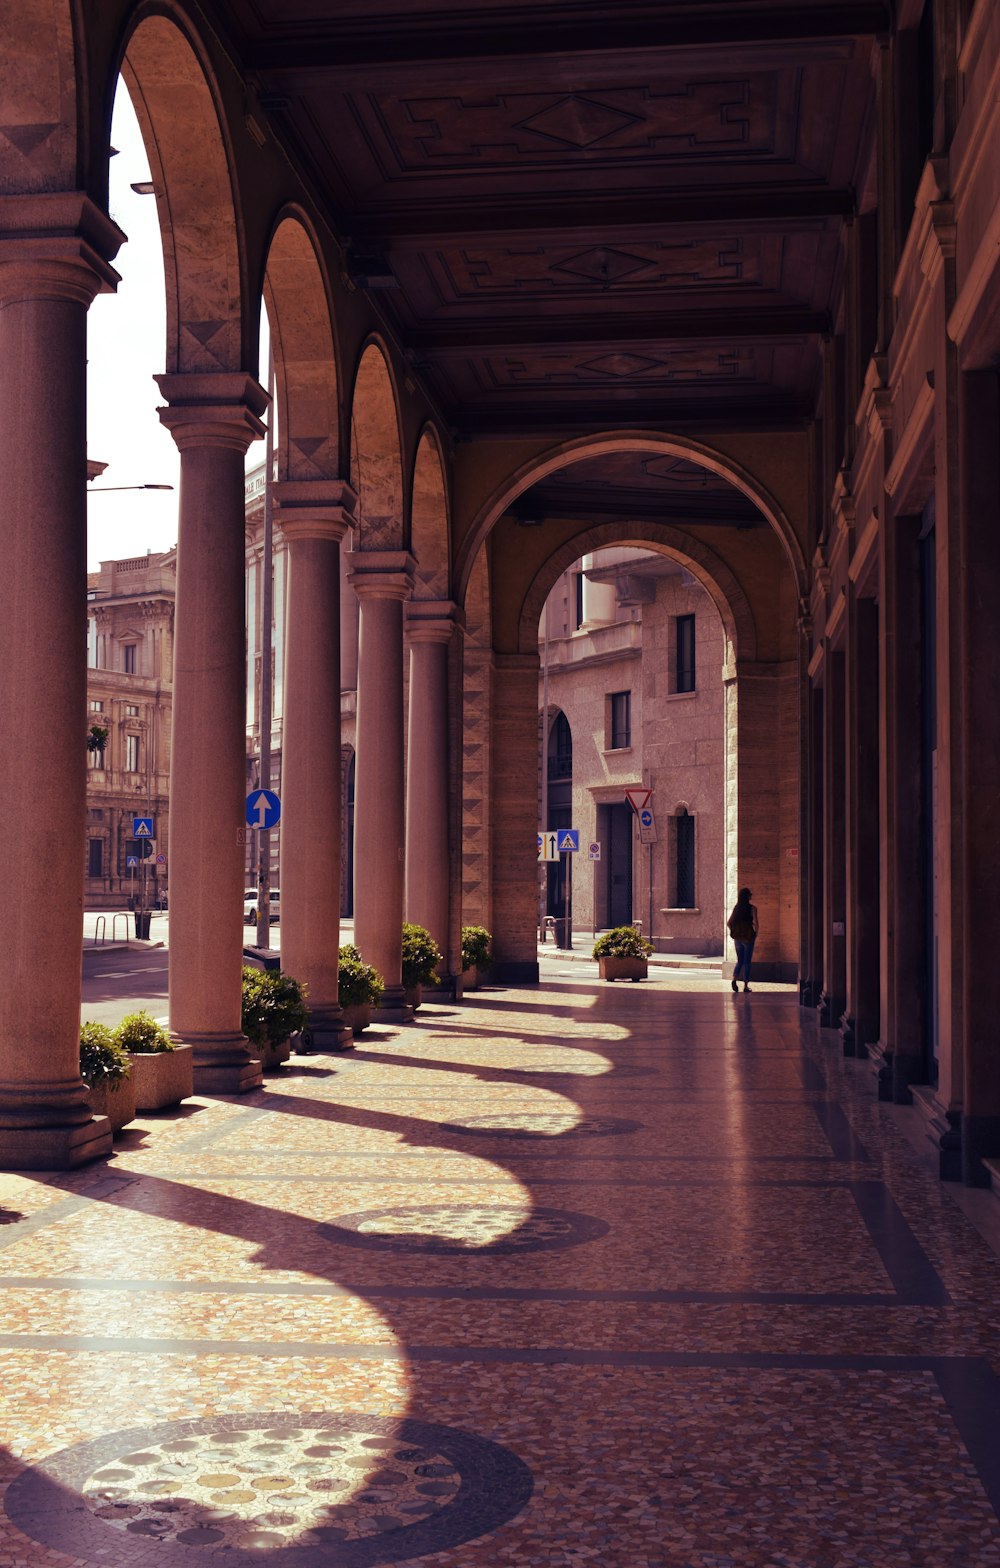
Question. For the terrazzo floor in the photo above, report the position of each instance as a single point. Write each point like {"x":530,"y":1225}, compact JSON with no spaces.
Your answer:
{"x":638,"y":1276}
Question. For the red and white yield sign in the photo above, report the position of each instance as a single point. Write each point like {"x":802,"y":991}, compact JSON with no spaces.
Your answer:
{"x":638,"y":799}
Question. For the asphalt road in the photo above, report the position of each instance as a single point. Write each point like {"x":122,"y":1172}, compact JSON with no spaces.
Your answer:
{"x":119,"y":980}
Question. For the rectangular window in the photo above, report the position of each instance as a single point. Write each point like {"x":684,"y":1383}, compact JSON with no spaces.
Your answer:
{"x":131,"y":710}
{"x":95,"y":706}
{"x":685,"y":894}
{"x":95,"y":759}
{"x":578,"y":577}
{"x":129,"y":653}
{"x":621,"y":720}
{"x":131,"y":754}
{"x":685,"y":653}
{"x":95,"y":857}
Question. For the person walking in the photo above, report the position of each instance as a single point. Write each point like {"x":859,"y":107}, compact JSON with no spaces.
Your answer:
{"x":743,"y":930}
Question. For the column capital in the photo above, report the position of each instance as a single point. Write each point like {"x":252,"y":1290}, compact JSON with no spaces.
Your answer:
{"x":314,"y":508}
{"x":213,"y":408}
{"x":56,"y":245}
{"x":381,"y":574}
{"x":432,"y":620}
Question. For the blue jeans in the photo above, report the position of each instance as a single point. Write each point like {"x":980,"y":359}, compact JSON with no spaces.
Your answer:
{"x":744,"y":956}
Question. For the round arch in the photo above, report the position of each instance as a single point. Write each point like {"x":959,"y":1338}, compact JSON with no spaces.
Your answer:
{"x":176,"y":102}
{"x":698,"y":558}
{"x":376,"y":452}
{"x":429,"y":530}
{"x":600,"y":444}
{"x":305,"y":357}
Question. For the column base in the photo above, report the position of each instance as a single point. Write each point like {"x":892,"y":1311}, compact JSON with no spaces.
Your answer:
{"x":54,"y":1148}
{"x":828,"y":1010}
{"x":809,"y":993}
{"x":944,"y":1129}
{"x":222,"y":1063}
{"x":325,"y":1031}
{"x":896,"y":1072}
{"x":393,"y":1008}
{"x":848,"y":1037}
{"x":980,"y":1141}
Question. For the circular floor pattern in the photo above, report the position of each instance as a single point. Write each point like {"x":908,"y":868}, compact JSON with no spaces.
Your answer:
{"x":464,"y":1228}
{"x":542,"y":1124}
{"x":318,"y":1490}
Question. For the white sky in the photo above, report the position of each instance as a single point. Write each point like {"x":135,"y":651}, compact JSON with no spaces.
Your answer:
{"x":125,"y":349}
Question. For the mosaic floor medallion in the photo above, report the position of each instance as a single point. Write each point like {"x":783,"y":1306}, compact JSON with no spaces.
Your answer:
{"x":452,"y":1228}
{"x":542,"y":1124}
{"x":319,"y":1490}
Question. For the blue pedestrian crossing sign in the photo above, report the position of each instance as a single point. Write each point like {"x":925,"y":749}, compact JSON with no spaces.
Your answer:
{"x":569,"y":841}
{"x":263,"y":808}
{"x":131,"y":860}
{"x":142,"y":827}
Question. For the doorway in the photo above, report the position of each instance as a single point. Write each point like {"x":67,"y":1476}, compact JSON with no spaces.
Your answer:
{"x":615,"y":830}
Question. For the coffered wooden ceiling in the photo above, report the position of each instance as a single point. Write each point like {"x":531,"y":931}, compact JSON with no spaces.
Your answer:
{"x":587,"y":214}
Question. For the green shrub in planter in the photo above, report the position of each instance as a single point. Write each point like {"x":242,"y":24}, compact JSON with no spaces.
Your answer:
{"x":421,"y":957}
{"x":140,"y":1033}
{"x":358,"y":982}
{"x":274,"y":1006}
{"x":102,"y":1059}
{"x":475,"y":947}
{"x":622,"y":942}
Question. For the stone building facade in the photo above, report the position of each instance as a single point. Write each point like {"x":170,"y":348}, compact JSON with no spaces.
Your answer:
{"x":130,"y":639}
{"x":634,"y":651}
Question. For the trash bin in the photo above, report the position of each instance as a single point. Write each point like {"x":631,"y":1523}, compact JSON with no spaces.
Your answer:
{"x":564,"y":936}
{"x":142,"y":919}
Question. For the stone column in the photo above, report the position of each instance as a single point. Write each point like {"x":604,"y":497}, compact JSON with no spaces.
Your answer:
{"x":514,"y":818}
{"x":903,"y":958}
{"x":766,"y":731}
{"x":348,"y":622}
{"x":54,"y":258}
{"x":833,"y":1000}
{"x":213,"y":417}
{"x":430,"y":625}
{"x":383,"y":580}
{"x":314,"y":517}
{"x":979,"y":420}
{"x":860,"y":1023}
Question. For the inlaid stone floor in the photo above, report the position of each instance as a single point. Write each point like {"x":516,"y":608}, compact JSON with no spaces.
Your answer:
{"x":638,"y":1276}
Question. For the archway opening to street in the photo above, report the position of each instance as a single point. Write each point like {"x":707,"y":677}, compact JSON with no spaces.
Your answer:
{"x":673,"y":655}
{"x":631,"y":688}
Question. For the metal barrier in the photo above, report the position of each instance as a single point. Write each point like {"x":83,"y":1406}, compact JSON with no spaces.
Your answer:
{"x":114,"y":926}
{"x":100,"y":930}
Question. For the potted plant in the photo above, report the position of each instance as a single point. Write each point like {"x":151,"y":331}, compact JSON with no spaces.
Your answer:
{"x":475,"y":954}
{"x":360,"y":988}
{"x":274,"y":1008}
{"x":421,"y":956}
{"x":162,"y":1072}
{"x":622,"y":953}
{"x":105,"y":1068}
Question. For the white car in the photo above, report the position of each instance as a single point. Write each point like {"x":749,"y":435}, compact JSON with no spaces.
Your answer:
{"x":250,"y":906}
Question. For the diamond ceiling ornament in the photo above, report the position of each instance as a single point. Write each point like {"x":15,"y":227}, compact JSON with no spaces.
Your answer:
{"x":602,"y":265}
{"x":621,"y":365}
{"x":578,"y":122}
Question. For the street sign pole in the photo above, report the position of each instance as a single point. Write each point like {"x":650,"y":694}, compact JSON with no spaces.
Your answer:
{"x":569,"y":887}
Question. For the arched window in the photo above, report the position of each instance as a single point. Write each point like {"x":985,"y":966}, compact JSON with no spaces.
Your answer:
{"x":560,"y":749}
{"x":684,"y":897}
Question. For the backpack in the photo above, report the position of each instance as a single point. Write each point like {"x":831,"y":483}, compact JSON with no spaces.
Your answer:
{"x":740,"y":928}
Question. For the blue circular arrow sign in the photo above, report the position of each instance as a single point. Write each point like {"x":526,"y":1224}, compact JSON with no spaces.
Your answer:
{"x":263,"y":808}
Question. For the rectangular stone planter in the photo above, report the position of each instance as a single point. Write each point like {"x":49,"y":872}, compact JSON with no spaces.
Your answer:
{"x":358,"y":1017}
{"x":116,"y":1101}
{"x":470,"y":978}
{"x":162,"y":1078}
{"x":623,"y":968}
{"x":414,"y":996}
{"x":271,"y":1057}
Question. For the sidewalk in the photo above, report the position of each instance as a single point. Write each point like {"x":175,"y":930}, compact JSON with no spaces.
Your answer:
{"x":583,"y":946}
